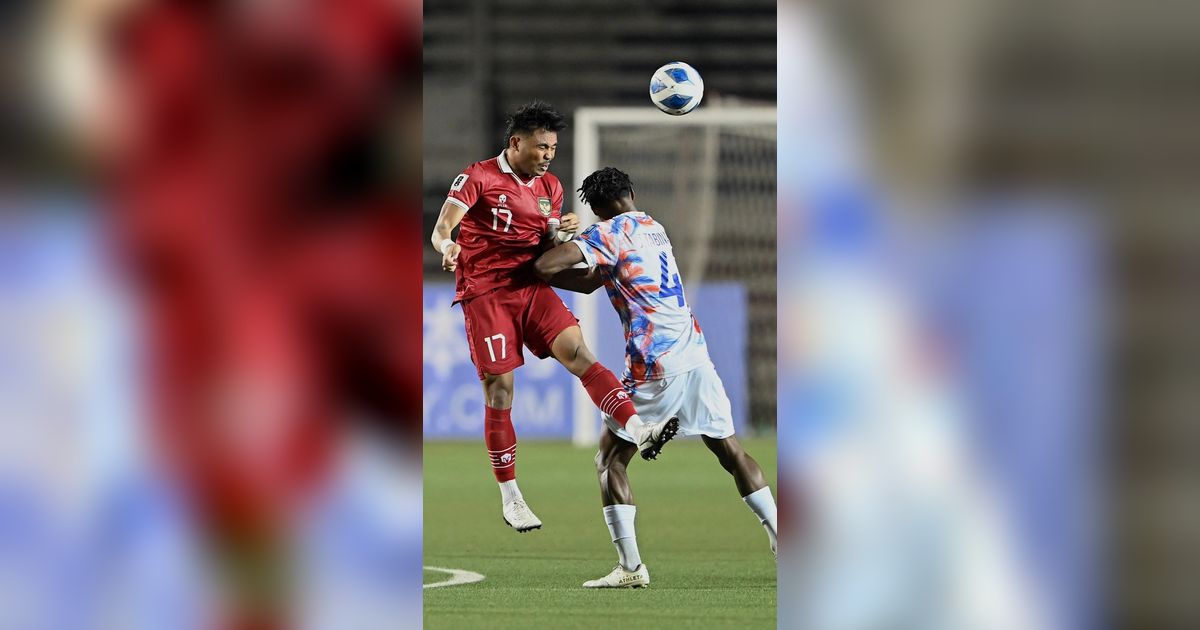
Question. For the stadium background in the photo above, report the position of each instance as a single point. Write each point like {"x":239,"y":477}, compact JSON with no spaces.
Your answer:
{"x":482,"y":59}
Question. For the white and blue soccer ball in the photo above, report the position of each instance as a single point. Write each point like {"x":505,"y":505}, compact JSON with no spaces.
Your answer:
{"x":676,"y":88}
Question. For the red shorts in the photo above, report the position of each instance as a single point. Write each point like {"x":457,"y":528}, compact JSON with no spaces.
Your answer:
{"x":500,"y":321}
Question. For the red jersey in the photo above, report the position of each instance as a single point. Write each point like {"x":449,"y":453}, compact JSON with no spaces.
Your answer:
{"x":502,"y":231}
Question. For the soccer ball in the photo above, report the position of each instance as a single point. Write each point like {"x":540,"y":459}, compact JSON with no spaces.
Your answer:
{"x":676,"y":88}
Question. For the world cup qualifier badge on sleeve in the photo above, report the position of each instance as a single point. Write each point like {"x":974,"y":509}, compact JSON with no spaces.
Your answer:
{"x":544,"y":206}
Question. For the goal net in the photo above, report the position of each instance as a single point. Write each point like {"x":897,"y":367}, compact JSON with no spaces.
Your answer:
{"x":709,"y":178}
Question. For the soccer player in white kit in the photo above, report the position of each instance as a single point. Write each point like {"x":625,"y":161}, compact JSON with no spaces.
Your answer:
{"x":668,"y":371}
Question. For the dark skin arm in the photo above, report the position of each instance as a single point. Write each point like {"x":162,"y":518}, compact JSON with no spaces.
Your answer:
{"x":557,"y":268}
{"x":577,"y":280}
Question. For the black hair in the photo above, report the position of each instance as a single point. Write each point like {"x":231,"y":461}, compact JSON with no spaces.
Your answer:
{"x":605,"y":186}
{"x":531,"y":117}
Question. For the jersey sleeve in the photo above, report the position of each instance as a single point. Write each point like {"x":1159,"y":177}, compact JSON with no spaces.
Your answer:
{"x":598,"y":244}
{"x":465,"y":189}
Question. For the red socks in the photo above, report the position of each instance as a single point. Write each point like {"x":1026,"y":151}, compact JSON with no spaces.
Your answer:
{"x":501,"y":442}
{"x":606,"y":392}
{"x":603,"y":388}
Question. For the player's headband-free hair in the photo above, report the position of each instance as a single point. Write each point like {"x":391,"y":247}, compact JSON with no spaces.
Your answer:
{"x":531,"y":117}
{"x":605,"y":186}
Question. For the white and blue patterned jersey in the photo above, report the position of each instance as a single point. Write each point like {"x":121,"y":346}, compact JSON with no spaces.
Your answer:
{"x":633,"y":254}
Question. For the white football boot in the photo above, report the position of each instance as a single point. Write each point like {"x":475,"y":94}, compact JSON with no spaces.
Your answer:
{"x":518,"y":516}
{"x":654,"y":436}
{"x":620,"y":578}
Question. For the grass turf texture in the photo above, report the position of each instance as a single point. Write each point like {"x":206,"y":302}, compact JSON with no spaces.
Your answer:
{"x":710,"y":564}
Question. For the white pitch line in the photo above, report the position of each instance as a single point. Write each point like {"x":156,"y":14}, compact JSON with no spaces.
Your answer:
{"x":457,"y":576}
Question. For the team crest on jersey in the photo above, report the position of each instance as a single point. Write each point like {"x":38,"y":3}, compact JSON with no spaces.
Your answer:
{"x":544,"y":206}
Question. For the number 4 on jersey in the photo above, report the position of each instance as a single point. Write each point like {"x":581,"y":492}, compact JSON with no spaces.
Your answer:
{"x":670,"y":284}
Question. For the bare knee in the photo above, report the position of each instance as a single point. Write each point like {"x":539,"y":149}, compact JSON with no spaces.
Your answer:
{"x":728,"y":451}
{"x":498,"y":390}
{"x":499,"y":398}
{"x":571,"y":350}
{"x":732,"y":460}
{"x":583,"y":362}
{"x":579,"y":359}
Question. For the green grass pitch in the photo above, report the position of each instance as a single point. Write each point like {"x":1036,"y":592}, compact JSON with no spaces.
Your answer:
{"x":709,"y":561}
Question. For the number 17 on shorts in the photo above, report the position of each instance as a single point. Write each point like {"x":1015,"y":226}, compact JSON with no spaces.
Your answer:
{"x":497,"y":346}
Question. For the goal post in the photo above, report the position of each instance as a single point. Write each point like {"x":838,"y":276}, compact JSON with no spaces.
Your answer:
{"x":710,"y":177}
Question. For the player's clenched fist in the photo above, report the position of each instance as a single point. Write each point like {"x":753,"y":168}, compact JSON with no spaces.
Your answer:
{"x":450,"y":251}
{"x":569,"y":224}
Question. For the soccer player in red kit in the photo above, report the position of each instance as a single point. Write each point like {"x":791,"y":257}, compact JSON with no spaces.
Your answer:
{"x":508,"y":207}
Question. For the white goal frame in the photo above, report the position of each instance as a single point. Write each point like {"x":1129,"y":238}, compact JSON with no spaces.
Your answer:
{"x":588,"y":121}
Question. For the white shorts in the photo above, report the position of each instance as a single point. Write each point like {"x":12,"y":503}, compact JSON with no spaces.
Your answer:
{"x":696,"y":397}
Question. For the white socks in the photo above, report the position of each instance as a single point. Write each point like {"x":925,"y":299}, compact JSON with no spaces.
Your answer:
{"x":634,"y":426}
{"x":509,"y":491}
{"x":620,"y":526}
{"x":763,"y":505}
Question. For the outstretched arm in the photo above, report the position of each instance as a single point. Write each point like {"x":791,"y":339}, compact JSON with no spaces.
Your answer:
{"x":577,"y":280}
{"x":557,"y":268}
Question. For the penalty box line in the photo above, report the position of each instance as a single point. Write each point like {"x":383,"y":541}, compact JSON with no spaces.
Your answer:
{"x":457,"y":576}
